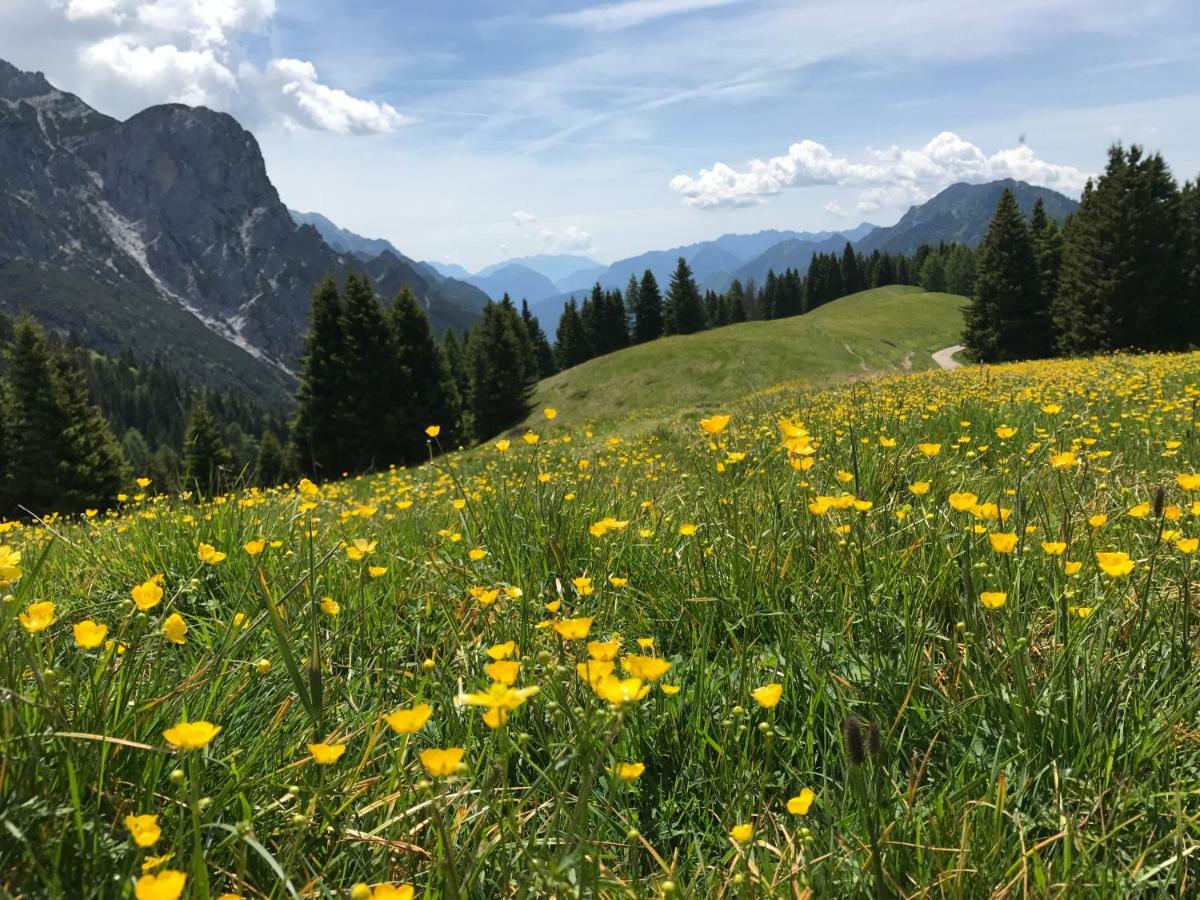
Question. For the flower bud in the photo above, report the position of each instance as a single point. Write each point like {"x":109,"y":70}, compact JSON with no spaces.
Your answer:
{"x":852,"y":737}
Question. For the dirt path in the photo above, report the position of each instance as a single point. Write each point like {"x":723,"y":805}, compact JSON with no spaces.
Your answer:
{"x":945,"y":358}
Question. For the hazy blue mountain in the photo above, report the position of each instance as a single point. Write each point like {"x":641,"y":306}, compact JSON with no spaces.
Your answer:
{"x":518,"y":281}
{"x":581,"y":280}
{"x":551,"y":266}
{"x":450,"y":270}
{"x":795,"y":253}
{"x":961,"y":213}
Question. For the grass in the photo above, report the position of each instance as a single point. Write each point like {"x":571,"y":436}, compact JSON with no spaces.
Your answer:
{"x":887,"y":329}
{"x":916,"y":554}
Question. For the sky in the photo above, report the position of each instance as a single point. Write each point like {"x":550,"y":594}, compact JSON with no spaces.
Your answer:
{"x":472,"y":131}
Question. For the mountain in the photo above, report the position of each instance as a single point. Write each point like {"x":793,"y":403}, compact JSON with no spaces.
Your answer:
{"x":581,"y":280}
{"x":450,"y":270}
{"x":163,"y":235}
{"x":551,"y":266}
{"x":341,"y":239}
{"x":748,"y":246}
{"x":961,"y":213}
{"x":518,"y":281}
{"x":794,"y":253}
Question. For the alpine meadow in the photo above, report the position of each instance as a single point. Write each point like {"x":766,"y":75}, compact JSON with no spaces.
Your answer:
{"x":644,"y":528}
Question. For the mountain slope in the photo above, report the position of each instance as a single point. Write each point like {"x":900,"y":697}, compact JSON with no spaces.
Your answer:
{"x":881,"y":330}
{"x":961,"y":213}
{"x":794,"y":253}
{"x":342,"y":239}
{"x":553,"y":266}
{"x":163,"y":234}
{"x":518,"y":281}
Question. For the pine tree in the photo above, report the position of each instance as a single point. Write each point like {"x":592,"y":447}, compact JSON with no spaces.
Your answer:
{"x":375,"y":384}
{"x":648,"y":314}
{"x":1006,"y":319}
{"x":206,"y":458}
{"x":1047,"y":249}
{"x":960,"y":270}
{"x":632,"y":293}
{"x":543,"y":352}
{"x":317,"y":433}
{"x":1121,"y":283}
{"x":737,"y":302}
{"x":769,"y":297}
{"x":418,"y":400}
{"x":571,"y":344}
{"x":852,"y":277}
{"x":932,"y":274}
{"x":501,"y":383}
{"x":269,"y":466}
{"x":456,"y":391}
{"x":685,"y":308}
{"x":92,"y":469}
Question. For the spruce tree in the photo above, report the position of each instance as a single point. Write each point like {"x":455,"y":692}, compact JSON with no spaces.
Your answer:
{"x":206,"y":458}
{"x":852,"y":277}
{"x":92,"y":469}
{"x":571,"y":343}
{"x":375,"y":384}
{"x":1190,"y":257}
{"x":317,"y":433}
{"x":456,"y":391}
{"x":685,"y":308}
{"x":1006,"y":319}
{"x":269,"y":465}
{"x":737,"y":302}
{"x":501,"y":383}
{"x":932,"y":276}
{"x":1047,"y":249}
{"x":543,"y":352}
{"x":418,"y":400}
{"x":648,"y":314}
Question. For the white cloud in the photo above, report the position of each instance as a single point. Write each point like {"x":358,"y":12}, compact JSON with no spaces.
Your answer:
{"x":571,"y":239}
{"x":195,"y":77}
{"x":291,"y":87}
{"x":521,"y":218}
{"x":630,"y":13}
{"x":892,"y":177}
{"x":139,"y":52}
{"x":834,"y":210}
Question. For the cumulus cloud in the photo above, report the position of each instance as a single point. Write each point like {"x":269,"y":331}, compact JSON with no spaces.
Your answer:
{"x":140,"y":52}
{"x":292,"y":88}
{"x":571,"y":239}
{"x":891,"y":177}
{"x":521,"y":218}
{"x":834,"y":209}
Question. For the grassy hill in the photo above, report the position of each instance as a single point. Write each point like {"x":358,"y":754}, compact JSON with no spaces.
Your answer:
{"x":881,"y":330}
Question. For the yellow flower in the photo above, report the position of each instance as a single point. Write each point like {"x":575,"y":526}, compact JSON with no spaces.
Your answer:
{"x":326,"y":754}
{"x":360,"y":548}
{"x":1098,"y":521}
{"x":175,"y":629}
{"x":919,"y":488}
{"x":961,"y":501}
{"x":687,"y":529}
{"x":1187,"y":545}
{"x":433,"y":430}
{"x":648,"y":668}
{"x":742,"y":833}
{"x":1004,"y":432}
{"x":143,"y":482}
{"x":993,"y":599}
{"x":714,"y":424}
{"x":476,"y":554}
{"x":191,"y":735}
{"x":617,"y":582}
{"x":165,"y":885}
{"x":150,"y":863}
{"x":144,"y":829}
{"x":530,"y":437}
{"x":1072,"y":568}
{"x":1064,"y":460}
{"x":88,"y":634}
{"x":388,"y":892}
{"x":147,"y":595}
{"x":1003,"y":542}
{"x":670,"y":689}
{"x":209,"y":554}
{"x":801,"y":803}
{"x":504,"y":671}
{"x":630,"y":771}
{"x":10,"y":566}
{"x":930,"y":450}
{"x":407,"y":721}
{"x":1140,"y":511}
{"x":376,"y":571}
{"x":550,"y":412}
{"x":503,"y":445}
{"x":583,"y":585}
{"x":37,"y":616}
{"x":1080,"y":612}
{"x":1115,"y":564}
{"x":1188,"y":481}
{"x":573,"y":629}
{"x":255,"y":547}
{"x":330,"y":607}
{"x":307,"y":488}
{"x":618,"y":691}
{"x":502,"y":651}
{"x":440,"y":763}
{"x":768,"y":695}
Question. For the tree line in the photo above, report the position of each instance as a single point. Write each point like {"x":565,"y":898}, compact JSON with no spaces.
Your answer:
{"x":1122,"y":273}
{"x":610,"y":320}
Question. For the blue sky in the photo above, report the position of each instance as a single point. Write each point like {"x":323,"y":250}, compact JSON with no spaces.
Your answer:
{"x":473,"y":131}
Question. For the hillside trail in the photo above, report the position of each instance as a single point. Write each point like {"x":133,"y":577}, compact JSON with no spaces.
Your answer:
{"x":945,"y":358}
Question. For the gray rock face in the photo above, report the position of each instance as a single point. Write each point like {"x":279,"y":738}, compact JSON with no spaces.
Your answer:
{"x":174,"y":205}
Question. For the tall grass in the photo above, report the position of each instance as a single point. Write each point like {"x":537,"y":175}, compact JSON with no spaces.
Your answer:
{"x":1046,"y":746}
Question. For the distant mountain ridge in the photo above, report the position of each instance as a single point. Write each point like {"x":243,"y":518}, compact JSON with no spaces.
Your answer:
{"x":163,"y":235}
